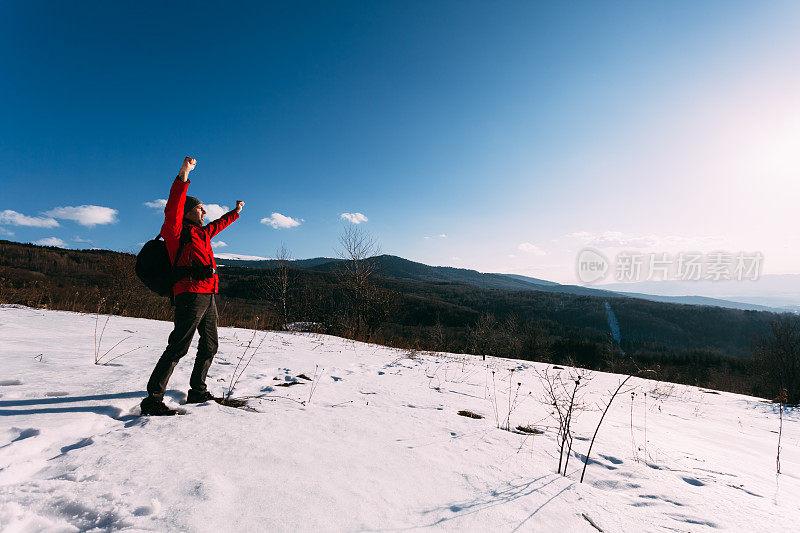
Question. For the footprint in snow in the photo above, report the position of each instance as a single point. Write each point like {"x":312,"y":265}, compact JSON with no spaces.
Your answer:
{"x":611,"y":459}
{"x":80,"y":444}
{"x":662,"y":498}
{"x":10,"y":382}
{"x":56,"y":393}
{"x":643,"y":504}
{"x":693,"y":481}
{"x":610,"y":484}
{"x":582,"y":457}
{"x":740,"y":487}
{"x":26,"y":434}
{"x":692,"y":520}
{"x":336,"y":378}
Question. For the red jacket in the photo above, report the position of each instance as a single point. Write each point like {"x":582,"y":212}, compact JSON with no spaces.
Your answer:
{"x":196,"y":251}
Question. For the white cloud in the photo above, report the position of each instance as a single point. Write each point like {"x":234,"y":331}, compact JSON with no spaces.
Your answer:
{"x":85,"y":215}
{"x":443,"y":235}
{"x":355,"y":218}
{"x":51,"y":241}
{"x":219,"y":244}
{"x":618,"y":239}
{"x":279,"y":221}
{"x":6,"y":232}
{"x":79,"y":239}
{"x":214,"y":211}
{"x":158,"y":203}
{"x":18,"y":219}
{"x":531,"y":249}
{"x":615,"y":239}
{"x":440,"y":236}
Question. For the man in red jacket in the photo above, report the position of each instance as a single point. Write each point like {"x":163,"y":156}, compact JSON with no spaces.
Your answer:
{"x":196,"y":283}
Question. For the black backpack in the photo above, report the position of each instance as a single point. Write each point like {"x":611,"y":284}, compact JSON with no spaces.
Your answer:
{"x":154,"y":268}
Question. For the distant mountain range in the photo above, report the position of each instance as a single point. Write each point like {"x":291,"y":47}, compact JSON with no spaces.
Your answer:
{"x":391,"y":266}
{"x":778,"y":291}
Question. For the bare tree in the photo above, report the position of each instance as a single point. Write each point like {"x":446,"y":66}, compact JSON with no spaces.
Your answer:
{"x":482,"y":335}
{"x":277,"y":283}
{"x":437,"y":337}
{"x":123,"y":283}
{"x":359,"y":252}
{"x":777,"y":357}
{"x":534,"y":345}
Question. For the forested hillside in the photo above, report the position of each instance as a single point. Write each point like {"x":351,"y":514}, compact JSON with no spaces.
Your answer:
{"x":693,"y":344}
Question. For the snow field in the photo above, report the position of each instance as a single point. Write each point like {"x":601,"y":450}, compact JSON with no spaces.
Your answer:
{"x":379,"y":446}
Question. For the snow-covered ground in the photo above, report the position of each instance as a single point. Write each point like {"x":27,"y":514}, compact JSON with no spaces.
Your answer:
{"x":377,"y":446}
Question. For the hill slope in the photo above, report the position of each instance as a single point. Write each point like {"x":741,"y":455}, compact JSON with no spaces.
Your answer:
{"x":376,"y":444}
{"x":394,"y":267}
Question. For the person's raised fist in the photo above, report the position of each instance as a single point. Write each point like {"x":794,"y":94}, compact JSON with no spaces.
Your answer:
{"x":188,"y":164}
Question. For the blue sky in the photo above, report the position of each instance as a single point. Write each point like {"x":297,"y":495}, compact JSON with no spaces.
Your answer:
{"x":497,"y":136}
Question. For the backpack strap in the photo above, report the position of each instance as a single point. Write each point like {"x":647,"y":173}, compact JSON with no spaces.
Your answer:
{"x":178,"y":272}
{"x":185,"y":237}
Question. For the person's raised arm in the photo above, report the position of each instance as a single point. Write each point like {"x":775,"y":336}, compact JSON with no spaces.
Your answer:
{"x":188,"y":166}
{"x":173,"y":212}
{"x":222,"y":222}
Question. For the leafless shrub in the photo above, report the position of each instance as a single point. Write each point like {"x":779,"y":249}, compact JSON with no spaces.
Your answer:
{"x":96,"y":323}
{"x":602,"y":417}
{"x":100,"y":359}
{"x":314,"y":383}
{"x":237,"y":374}
{"x":781,"y":399}
{"x":513,"y":402}
{"x":564,"y":395}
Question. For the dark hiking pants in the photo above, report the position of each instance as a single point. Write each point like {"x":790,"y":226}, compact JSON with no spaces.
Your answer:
{"x":193,"y":311}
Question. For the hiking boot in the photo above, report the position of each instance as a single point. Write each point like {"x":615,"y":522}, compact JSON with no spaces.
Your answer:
{"x":156,"y":408}
{"x":200,"y":397}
